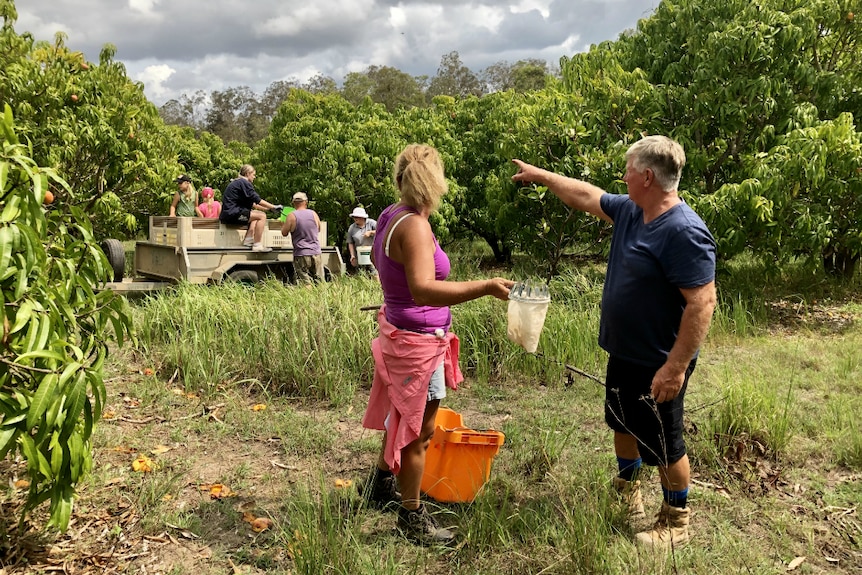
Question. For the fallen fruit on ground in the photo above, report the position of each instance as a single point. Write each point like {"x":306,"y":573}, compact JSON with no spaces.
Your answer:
{"x":143,"y":464}
{"x":261,"y":524}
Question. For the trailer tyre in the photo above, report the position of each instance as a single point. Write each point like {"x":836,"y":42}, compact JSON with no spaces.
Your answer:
{"x":116,"y":255}
{"x":243,"y":276}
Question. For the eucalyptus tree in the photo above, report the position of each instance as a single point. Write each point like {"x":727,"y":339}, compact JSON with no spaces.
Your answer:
{"x":454,"y":79}
{"x":522,"y":76}
{"x":384,"y":85}
{"x":186,"y":110}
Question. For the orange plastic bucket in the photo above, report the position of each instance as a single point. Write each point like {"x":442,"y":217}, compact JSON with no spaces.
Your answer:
{"x":458,"y":461}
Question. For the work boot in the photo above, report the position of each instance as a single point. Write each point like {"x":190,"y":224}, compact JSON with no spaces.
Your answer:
{"x":630,"y":493}
{"x":670,"y":529}
{"x":420,"y":527}
{"x":380,"y":492}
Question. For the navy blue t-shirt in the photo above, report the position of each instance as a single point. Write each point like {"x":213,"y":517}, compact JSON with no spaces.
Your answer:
{"x":239,"y":195}
{"x":648,"y":264}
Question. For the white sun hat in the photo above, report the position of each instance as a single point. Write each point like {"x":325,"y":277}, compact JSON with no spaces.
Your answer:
{"x":359,"y":213}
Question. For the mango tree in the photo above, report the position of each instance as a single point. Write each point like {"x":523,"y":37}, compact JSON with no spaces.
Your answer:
{"x":340,"y":155}
{"x":55,"y":328}
{"x":729,"y":80}
{"x":88,"y":122}
{"x":549,"y":129}
{"x":206,"y":159}
{"x":477,"y":125}
{"x":804,"y":197}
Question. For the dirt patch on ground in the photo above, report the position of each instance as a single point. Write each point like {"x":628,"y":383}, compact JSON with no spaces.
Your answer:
{"x":827,"y":318}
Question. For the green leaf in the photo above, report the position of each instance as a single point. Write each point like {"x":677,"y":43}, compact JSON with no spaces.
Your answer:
{"x":77,"y":395}
{"x":7,"y":440}
{"x":62,"y":499}
{"x":25,"y":311}
{"x":6,"y":238}
{"x":11,"y":210}
{"x":43,"y":354}
{"x":42,"y":399}
{"x":36,"y":462}
{"x":77,"y":455}
{"x":56,"y":450}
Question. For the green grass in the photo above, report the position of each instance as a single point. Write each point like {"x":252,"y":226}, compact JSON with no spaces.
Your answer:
{"x":772,"y":430}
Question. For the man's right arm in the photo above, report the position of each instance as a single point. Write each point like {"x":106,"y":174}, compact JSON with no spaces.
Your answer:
{"x":289,"y":224}
{"x":577,"y":194}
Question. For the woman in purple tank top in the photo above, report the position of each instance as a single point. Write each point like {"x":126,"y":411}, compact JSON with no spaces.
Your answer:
{"x":413,"y":269}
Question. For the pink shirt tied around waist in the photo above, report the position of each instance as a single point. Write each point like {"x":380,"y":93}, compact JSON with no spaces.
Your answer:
{"x":402,"y":309}
{"x":403,"y":364}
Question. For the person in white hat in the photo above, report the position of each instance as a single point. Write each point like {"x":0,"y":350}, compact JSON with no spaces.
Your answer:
{"x":359,"y":234}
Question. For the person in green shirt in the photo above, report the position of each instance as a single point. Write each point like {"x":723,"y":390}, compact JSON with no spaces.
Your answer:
{"x":185,"y":199}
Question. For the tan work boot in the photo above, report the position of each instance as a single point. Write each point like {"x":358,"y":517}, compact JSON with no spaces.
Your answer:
{"x":670,"y":529}
{"x":630,"y":493}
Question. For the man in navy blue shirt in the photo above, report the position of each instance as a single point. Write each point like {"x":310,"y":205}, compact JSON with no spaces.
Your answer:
{"x":657,"y":304}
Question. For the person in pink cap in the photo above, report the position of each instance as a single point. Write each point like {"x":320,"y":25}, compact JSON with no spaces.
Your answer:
{"x":210,"y":207}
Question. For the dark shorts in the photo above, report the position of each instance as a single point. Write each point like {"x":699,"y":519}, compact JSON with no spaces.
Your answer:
{"x":240,"y":216}
{"x":630,"y":409}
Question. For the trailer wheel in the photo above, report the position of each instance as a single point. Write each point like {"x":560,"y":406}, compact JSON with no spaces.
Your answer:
{"x":243,"y":276}
{"x":116,"y":255}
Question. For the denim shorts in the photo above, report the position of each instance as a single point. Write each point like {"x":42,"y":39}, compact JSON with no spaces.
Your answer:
{"x":437,"y":385}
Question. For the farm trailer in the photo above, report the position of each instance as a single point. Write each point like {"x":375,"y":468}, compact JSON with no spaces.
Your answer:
{"x":205,"y":251}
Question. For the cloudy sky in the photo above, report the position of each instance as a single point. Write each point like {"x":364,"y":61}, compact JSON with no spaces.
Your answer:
{"x":181,"y":46}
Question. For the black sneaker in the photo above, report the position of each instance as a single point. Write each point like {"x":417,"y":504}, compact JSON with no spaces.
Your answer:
{"x":419,"y":526}
{"x":381,"y":490}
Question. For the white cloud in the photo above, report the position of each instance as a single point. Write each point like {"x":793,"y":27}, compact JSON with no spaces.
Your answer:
{"x":397,"y":17}
{"x":144,"y":7}
{"x":182,"y":46}
{"x":570,"y":45}
{"x":317,"y":15}
{"x":154,"y":78}
{"x":543,"y":6}
{"x":489,"y":17}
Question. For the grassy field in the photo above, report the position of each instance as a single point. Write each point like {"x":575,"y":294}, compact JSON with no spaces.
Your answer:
{"x":248,"y":402}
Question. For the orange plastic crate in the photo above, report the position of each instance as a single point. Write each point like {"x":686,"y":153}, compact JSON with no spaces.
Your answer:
{"x":458,"y":462}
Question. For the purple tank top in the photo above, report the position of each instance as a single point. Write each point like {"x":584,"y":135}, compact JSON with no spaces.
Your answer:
{"x":401,"y":309}
{"x":304,"y":237}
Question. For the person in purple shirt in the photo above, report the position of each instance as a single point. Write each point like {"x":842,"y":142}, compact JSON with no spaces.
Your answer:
{"x":303,"y":225}
{"x":413,"y":271}
{"x":657,"y":304}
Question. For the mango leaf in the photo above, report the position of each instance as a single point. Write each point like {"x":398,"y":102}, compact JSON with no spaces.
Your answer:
{"x":42,"y":399}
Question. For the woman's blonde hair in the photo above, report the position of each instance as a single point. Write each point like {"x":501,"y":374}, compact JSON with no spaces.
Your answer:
{"x":190,"y":193}
{"x":419,"y":177}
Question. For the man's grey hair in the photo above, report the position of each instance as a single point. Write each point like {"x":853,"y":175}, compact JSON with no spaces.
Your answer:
{"x":663,"y":156}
